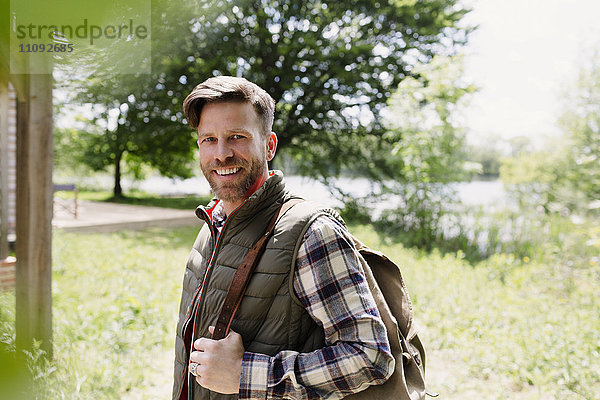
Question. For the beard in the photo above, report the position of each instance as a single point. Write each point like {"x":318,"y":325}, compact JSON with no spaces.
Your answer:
{"x":236,"y":190}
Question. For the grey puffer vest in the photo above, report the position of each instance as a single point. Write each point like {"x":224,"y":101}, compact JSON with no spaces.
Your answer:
{"x":270,"y":318}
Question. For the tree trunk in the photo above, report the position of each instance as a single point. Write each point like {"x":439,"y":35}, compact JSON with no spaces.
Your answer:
{"x":118,"y":191}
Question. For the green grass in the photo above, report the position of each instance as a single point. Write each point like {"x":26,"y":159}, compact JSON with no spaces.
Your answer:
{"x":503,"y":328}
{"x":115,"y":304}
{"x":506,"y":327}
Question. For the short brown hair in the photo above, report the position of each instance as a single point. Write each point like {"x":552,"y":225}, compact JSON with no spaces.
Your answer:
{"x":229,"y":88}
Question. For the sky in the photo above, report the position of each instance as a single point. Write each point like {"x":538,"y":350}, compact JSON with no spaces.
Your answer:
{"x":523,"y":56}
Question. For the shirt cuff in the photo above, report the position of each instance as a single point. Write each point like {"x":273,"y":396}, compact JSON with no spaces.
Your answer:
{"x":253,"y":380}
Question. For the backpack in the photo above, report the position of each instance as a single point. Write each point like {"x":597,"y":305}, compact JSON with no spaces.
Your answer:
{"x":385,"y":281}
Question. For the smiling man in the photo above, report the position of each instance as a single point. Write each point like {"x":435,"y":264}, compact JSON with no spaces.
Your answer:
{"x":307,"y":327}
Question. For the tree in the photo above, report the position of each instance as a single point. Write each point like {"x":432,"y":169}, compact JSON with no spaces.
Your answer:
{"x":114,"y":138}
{"x":331,"y":66}
{"x":426,"y":145}
{"x":119,"y":134}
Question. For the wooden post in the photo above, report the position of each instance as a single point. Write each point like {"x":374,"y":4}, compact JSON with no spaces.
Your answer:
{"x":34,"y":212}
{"x":3,"y":169}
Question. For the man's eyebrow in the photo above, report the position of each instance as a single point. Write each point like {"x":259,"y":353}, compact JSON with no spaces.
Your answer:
{"x":232,"y":130}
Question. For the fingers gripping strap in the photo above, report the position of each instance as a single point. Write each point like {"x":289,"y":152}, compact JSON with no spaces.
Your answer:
{"x":242,"y":276}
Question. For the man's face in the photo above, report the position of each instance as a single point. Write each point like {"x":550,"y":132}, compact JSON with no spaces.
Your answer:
{"x":233,"y":150}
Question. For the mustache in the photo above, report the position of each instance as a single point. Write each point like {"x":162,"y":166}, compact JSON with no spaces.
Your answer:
{"x":232,"y":162}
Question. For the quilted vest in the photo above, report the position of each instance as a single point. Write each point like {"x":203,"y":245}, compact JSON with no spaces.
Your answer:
{"x":270,"y":318}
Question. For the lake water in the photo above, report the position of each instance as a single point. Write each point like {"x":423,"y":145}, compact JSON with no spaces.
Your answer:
{"x":483,"y":193}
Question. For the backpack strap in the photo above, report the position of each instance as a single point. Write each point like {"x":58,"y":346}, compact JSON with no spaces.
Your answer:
{"x":242,"y":275}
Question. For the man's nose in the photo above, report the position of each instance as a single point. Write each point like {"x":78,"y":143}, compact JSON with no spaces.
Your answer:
{"x":223,"y":151}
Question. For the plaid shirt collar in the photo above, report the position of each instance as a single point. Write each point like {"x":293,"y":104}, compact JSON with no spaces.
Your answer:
{"x":218,"y":216}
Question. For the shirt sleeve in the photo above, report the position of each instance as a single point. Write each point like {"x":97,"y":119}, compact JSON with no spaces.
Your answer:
{"x":332,"y":287}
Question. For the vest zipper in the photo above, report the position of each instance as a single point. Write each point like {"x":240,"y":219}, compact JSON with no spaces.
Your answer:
{"x":193,"y":305}
{"x":198,"y":297}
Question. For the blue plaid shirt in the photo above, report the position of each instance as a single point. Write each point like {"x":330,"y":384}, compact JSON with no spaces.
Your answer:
{"x":332,"y":287}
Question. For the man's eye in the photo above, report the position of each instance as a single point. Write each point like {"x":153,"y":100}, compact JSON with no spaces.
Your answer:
{"x":208,"y":139}
{"x":237,"y":137}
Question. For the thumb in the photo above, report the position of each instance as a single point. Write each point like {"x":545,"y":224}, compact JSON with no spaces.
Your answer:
{"x":211,"y":330}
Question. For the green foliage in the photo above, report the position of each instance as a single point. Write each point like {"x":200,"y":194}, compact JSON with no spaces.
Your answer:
{"x":479,"y":234}
{"x":119,"y":137}
{"x":427,"y":142}
{"x":538,"y":180}
{"x":354,"y":212}
{"x":485,"y":153}
{"x":425,"y":146}
{"x":331,"y":67}
{"x":128,"y":139}
{"x":69,"y":146}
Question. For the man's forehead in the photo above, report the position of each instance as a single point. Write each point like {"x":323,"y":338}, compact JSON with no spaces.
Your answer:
{"x":229,"y":109}
{"x":233,"y":103}
{"x":228,"y":116}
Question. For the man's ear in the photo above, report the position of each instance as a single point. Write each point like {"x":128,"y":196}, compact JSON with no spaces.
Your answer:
{"x":271,"y":146}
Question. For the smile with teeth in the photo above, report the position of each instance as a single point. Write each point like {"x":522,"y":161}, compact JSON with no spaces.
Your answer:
{"x":227,"y":171}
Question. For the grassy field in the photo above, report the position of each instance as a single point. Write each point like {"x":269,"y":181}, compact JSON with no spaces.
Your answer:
{"x":115,"y":299}
{"x":504,"y":328}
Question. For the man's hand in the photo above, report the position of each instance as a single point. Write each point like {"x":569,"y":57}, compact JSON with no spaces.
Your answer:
{"x":219,"y":362}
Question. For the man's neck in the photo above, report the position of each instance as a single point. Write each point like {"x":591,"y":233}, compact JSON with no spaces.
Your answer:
{"x":228,"y":207}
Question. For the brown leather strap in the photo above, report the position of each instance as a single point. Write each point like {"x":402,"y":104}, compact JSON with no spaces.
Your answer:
{"x":242,"y":276}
